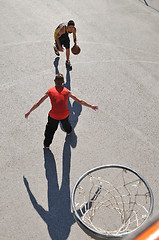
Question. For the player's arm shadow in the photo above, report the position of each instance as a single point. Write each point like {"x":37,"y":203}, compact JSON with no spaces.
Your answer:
{"x":58,"y":218}
{"x":42,"y":212}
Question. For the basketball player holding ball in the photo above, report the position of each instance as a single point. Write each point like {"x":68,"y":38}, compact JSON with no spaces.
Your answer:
{"x":61,"y":36}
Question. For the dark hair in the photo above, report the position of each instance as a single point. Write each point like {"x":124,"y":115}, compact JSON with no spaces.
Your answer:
{"x":59,"y":79}
{"x":71,"y":22}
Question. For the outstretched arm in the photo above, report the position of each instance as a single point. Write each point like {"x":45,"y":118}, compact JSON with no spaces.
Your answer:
{"x":36,"y":105}
{"x":82,"y":102}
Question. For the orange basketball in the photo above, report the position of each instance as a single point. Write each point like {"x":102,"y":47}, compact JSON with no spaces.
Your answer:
{"x":75,"y":49}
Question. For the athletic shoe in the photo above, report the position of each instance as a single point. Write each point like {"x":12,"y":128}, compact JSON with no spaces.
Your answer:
{"x":68,"y":64}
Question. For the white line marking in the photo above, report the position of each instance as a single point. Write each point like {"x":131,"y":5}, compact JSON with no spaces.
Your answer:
{"x":118,"y":60}
{"x":23,"y":43}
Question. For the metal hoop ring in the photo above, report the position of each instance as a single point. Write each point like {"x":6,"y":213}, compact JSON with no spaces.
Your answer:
{"x":90,"y":231}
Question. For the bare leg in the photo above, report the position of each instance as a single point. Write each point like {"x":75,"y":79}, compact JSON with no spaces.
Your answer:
{"x":68,"y":64}
{"x":67,"y":54}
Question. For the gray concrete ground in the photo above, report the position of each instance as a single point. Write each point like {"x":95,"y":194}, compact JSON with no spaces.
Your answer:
{"x":117,"y":69}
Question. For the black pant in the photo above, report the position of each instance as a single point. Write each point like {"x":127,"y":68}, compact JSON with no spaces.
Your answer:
{"x":64,"y":40}
{"x":51,"y":128}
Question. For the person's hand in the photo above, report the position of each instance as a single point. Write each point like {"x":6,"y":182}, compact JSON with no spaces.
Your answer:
{"x":94,"y":107}
{"x":61,"y":49}
{"x":27,"y":114}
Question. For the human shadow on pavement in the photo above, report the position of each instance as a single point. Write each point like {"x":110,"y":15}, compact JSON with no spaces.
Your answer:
{"x":58,"y":218}
{"x":56,"y":63}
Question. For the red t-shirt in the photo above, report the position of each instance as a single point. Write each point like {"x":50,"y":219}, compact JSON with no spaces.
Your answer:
{"x":59,"y":97}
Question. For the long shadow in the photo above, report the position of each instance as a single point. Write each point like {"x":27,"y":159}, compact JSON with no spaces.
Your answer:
{"x":58,"y":217}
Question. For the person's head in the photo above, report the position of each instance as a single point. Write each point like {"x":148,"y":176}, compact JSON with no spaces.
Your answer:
{"x":70,"y":26}
{"x":59,"y":79}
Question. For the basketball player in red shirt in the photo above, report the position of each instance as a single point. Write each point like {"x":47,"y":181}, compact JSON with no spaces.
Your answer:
{"x":59,"y":97}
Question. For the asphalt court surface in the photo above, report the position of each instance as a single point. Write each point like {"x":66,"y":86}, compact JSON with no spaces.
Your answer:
{"x":117,"y":69}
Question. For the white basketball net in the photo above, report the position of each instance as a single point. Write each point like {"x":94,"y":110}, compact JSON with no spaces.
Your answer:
{"x":112,"y":207}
